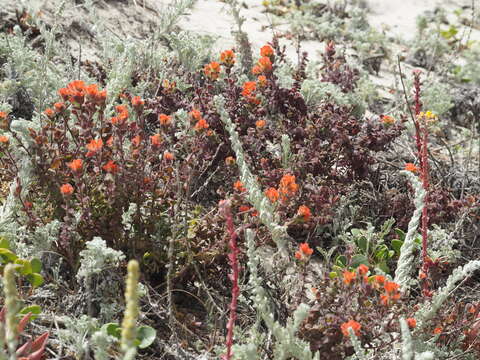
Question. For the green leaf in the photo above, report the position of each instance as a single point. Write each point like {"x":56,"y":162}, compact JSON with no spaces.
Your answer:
{"x":356,"y":232}
{"x":36,"y":265}
{"x":401,"y":234}
{"x":384,"y":267}
{"x":24,"y":266}
{"x":34,"y":309}
{"x":146,"y":335}
{"x":362,"y":244}
{"x":359,"y":259}
{"x":341,"y":261}
{"x":391,"y":253}
{"x":397,"y":245}
{"x":333,"y":274}
{"x":7,"y":255}
{"x":112,"y":329}
{"x":35,"y":279}
{"x":4,"y":243}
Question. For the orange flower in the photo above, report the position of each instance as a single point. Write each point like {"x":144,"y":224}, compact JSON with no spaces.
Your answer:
{"x":59,"y":106}
{"x":201,"y":124}
{"x":239,"y":186}
{"x":265,"y":64}
{"x":110,"y":167}
{"x":137,"y":102}
{"x":305,"y":248}
{"x":380,"y":279}
{"x":77,"y":85}
{"x":212,"y":70}
{"x":348,"y":276}
{"x":95,"y":145}
{"x":92,"y":91}
{"x":243,"y":208}
{"x":156,"y":140}
{"x":260,"y":124}
{"x":76,"y":165}
{"x":168,"y":156}
{"x":262,"y":80}
{"x":164,"y":119}
{"x":4,"y":139}
{"x":195,"y":114}
{"x":230,"y":161}
{"x":288,"y":187}
{"x":272,"y":194}
{"x":49,"y":112}
{"x":411,"y":322}
{"x":76,"y":91}
{"x":248,"y":88}
{"x":437,"y":330}
{"x":411,"y":167}
{"x":384,"y":299}
{"x":355,"y":326}
{"x":3,"y":115}
{"x":65,"y":93}
{"x":256,"y":70}
{"x":121,"y":109}
{"x":66,"y":189}
{"x":266,"y":50}
{"x":136,"y":140}
{"x":387,"y":120}
{"x":391,"y":287}
{"x":363,"y":269}
{"x":227,"y":58}
{"x":304,"y":212}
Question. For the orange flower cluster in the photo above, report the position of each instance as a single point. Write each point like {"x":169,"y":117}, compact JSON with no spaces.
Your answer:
{"x":411,"y":167}
{"x":264,"y":64}
{"x":260,"y":124}
{"x":212,"y":70}
{"x":304,"y":212}
{"x":391,"y":293}
{"x":164,"y":119}
{"x":266,"y":50}
{"x":262,"y":81}
{"x":49,"y":113}
{"x":59,"y":107}
{"x":94,"y":146}
{"x":387,"y":119}
{"x":168,"y":156}
{"x":227,"y":58}
{"x":249,"y":92}
{"x":4,"y":139}
{"x":355,"y":326}
{"x":239,"y":186}
{"x":76,"y":91}
{"x":137,"y":102}
{"x":287,"y":187}
{"x":111,"y":167}
{"x":411,"y":322}
{"x":304,"y":252}
{"x":122,"y":115}
{"x":66,"y":189}
{"x":76,"y":165}
{"x":272,"y":194}
{"x":201,"y":123}
{"x":349,"y":276}
{"x":156,"y":140}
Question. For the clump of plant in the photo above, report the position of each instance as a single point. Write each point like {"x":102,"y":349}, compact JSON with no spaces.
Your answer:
{"x":94,"y":170}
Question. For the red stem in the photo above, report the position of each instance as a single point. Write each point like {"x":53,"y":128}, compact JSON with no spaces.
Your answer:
{"x":233,"y":257}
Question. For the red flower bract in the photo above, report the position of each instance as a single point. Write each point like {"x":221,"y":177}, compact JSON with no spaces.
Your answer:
{"x":355,"y":326}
